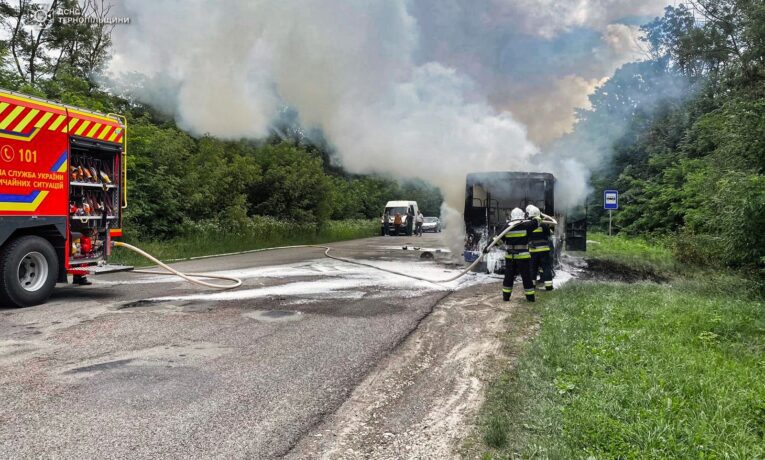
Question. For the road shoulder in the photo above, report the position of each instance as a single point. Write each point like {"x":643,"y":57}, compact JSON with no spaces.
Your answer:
{"x":422,"y":400}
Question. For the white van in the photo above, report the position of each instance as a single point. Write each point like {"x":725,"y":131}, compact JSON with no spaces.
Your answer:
{"x":404,"y":208}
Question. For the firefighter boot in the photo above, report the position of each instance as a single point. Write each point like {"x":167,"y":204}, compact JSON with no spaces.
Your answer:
{"x":81,"y":280}
{"x":506,"y":293}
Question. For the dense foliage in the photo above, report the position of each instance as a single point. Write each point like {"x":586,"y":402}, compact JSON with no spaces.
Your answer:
{"x":177,"y":180}
{"x":691,"y":163}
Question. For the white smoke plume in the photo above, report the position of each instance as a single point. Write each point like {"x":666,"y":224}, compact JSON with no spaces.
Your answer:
{"x":358,"y":71}
{"x":346,"y":68}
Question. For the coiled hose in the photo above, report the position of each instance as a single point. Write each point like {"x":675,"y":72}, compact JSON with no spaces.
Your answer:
{"x":236,"y":282}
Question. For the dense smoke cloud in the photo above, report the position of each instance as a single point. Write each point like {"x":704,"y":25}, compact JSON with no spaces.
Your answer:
{"x":347,"y":69}
{"x":407,"y":88}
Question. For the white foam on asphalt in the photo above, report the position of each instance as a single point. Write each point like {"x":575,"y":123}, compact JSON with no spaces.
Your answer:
{"x":336,"y":279}
{"x":341,"y":280}
{"x":272,"y":271}
{"x":301,"y":289}
{"x":411,"y":247}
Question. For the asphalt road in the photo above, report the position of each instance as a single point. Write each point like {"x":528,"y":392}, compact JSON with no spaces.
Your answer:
{"x":143,"y":367}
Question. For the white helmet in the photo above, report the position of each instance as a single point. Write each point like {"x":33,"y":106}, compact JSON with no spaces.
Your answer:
{"x":517,"y":214}
{"x":533,"y":211}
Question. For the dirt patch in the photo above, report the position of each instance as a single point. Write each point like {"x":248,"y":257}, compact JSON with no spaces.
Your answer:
{"x":612,"y":270}
{"x":422,"y":400}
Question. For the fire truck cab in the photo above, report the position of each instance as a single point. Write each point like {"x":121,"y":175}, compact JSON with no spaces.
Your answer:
{"x":62,"y":193}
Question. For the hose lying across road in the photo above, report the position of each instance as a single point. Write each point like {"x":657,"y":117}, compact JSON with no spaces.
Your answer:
{"x":236,"y":282}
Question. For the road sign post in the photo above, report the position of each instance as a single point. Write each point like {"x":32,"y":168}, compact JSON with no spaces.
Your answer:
{"x":610,"y":202}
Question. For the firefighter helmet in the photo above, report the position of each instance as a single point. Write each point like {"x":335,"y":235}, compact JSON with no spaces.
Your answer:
{"x":533,"y":211}
{"x":517,"y":214}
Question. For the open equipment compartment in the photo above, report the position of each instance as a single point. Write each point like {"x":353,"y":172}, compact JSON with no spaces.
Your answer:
{"x":94,"y":198}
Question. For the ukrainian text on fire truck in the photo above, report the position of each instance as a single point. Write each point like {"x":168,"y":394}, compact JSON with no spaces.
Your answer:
{"x":33,"y":179}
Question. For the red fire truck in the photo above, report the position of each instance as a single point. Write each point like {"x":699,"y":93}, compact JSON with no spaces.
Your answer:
{"x":62,"y":193}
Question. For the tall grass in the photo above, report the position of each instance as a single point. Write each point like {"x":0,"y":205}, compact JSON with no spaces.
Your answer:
{"x":642,"y":370}
{"x":206,"y":238}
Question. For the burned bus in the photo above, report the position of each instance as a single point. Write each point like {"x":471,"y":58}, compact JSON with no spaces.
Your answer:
{"x":489,"y":198}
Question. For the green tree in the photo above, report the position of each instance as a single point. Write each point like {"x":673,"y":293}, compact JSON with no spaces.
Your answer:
{"x":158,"y":162}
{"x":294,"y":185}
{"x":40,"y":46}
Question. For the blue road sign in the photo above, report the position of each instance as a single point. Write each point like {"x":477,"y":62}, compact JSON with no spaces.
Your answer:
{"x":610,"y":199}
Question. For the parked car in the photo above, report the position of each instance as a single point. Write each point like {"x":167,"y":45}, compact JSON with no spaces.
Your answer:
{"x":403,"y":208}
{"x":431,"y":224}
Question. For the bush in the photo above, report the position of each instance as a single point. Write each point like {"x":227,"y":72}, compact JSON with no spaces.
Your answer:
{"x":726,"y":228}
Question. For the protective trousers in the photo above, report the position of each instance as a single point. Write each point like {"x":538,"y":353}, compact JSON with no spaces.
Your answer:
{"x":541,"y":265}
{"x":518,"y":264}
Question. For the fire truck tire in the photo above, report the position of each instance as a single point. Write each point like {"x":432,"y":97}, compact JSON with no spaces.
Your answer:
{"x":28,"y":271}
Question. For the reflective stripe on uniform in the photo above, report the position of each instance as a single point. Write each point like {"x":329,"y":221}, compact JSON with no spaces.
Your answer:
{"x":540,"y":249}
{"x":529,"y":291}
{"x":515,"y":234}
{"x":537,"y":230}
{"x":522,"y":255}
{"x":548,"y":283}
{"x":507,"y":290}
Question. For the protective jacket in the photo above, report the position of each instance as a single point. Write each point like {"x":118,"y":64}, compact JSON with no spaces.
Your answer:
{"x":518,"y":259}
{"x":540,"y":239}
{"x":517,"y":239}
{"x":540,"y":247}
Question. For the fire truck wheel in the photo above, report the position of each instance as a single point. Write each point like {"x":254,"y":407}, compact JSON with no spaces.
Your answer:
{"x":28,"y":271}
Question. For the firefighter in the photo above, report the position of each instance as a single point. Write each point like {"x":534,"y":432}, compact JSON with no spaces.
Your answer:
{"x":518,"y":257}
{"x":540,"y":247}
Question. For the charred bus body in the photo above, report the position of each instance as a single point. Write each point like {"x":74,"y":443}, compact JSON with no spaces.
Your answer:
{"x":489,"y":198}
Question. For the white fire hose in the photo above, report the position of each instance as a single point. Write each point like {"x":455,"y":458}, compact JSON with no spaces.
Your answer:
{"x":236,"y":282}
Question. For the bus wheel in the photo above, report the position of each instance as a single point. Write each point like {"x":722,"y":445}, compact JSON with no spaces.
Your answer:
{"x":28,"y":271}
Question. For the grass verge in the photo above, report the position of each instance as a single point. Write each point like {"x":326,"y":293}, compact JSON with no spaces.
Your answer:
{"x":643,"y":370}
{"x":206,"y":239}
{"x":636,"y":253}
